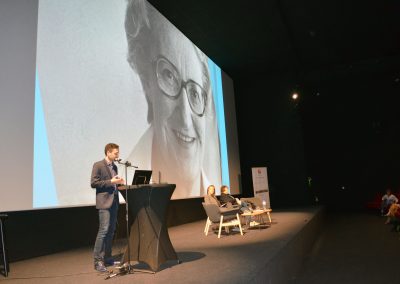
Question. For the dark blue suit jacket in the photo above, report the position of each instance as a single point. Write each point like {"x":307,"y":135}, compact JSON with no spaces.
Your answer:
{"x":101,"y":181}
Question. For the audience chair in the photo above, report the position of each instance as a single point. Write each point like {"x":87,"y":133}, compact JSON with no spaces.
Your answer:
{"x":226,"y":219}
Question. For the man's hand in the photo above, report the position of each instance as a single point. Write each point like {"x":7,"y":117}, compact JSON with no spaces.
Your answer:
{"x":117,"y":180}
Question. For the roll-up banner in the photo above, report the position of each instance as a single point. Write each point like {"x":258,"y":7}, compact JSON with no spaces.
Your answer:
{"x":260,"y":185}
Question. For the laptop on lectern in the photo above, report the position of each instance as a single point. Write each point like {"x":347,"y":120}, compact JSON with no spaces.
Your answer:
{"x":141,"y":177}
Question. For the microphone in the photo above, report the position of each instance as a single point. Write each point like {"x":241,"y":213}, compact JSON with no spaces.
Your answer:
{"x":126,"y":163}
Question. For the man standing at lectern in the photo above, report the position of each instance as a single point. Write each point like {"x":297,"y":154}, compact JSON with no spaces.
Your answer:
{"x":105,"y":180}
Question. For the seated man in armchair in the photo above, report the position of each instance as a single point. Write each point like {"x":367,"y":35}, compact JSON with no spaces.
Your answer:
{"x":226,"y":198}
{"x":230,"y":201}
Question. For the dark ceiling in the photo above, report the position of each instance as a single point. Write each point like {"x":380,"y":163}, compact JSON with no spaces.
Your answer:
{"x":280,"y":35}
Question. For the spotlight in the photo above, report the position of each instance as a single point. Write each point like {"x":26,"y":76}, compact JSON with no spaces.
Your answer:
{"x":295,"y":96}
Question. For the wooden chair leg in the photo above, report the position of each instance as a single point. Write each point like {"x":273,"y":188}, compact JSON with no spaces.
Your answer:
{"x":240,"y":226}
{"x":220,"y":226}
{"x":207,"y":227}
{"x":269,"y":217}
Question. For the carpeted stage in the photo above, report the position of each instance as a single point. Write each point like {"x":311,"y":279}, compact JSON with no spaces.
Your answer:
{"x":272,"y":254}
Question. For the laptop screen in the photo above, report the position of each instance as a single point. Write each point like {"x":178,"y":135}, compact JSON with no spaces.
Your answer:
{"x":141,"y":177}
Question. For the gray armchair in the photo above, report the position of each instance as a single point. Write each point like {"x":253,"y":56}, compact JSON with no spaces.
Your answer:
{"x":227,"y":218}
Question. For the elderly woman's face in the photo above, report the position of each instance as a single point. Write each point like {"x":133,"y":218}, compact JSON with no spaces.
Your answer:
{"x":178,"y":93}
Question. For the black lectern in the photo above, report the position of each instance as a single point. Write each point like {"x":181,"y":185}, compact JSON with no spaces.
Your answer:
{"x":149,"y":241}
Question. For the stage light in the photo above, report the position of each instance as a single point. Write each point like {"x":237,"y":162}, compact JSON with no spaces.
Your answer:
{"x":295,"y":96}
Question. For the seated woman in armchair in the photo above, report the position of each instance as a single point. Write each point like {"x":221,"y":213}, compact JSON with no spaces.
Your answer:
{"x":210,"y":197}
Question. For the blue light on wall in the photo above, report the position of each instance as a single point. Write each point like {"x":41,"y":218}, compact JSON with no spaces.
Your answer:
{"x":216,"y":85}
{"x":44,"y":189}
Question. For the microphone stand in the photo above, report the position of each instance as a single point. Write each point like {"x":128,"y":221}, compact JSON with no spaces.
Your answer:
{"x":125,"y":269}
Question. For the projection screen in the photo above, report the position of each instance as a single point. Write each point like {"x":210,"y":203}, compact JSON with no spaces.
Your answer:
{"x":108,"y":71}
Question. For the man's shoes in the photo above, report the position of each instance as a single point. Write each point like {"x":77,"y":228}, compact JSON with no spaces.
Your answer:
{"x":99,"y":266}
{"x":111,"y":262}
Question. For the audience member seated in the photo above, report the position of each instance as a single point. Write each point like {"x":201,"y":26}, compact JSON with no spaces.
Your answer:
{"x":387,"y":200}
{"x":394,"y":216}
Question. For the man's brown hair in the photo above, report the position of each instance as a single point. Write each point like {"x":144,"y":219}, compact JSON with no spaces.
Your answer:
{"x":224,"y":189}
{"x":109,"y":147}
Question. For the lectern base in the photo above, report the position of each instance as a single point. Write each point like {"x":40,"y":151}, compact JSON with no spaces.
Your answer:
{"x":148,"y":239}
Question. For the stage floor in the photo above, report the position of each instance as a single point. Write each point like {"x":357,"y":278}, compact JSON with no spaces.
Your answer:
{"x":271,"y":254}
